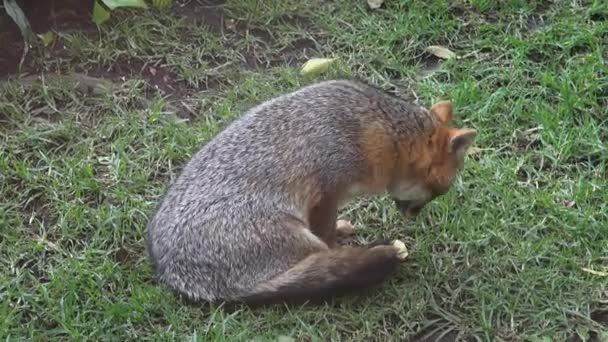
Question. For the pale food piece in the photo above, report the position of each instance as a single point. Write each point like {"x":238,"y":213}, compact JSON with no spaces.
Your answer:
{"x":402,"y":252}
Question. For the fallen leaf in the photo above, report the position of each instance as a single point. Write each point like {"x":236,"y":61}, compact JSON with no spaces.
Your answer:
{"x":373,"y":4}
{"x":46,"y":38}
{"x":594,"y":272}
{"x":316,"y":66}
{"x":440,"y":51}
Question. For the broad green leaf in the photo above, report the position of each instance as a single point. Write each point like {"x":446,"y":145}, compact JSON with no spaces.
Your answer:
{"x":100,"y":14}
{"x":440,"y":52}
{"x":112,"y":4}
{"x":15,"y":12}
{"x":46,"y":38}
{"x":316,"y":66}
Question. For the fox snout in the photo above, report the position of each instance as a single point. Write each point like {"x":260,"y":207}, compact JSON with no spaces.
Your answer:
{"x":409,"y":208}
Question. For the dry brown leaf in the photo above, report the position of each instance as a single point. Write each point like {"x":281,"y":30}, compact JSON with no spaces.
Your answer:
{"x":441,"y":52}
{"x":373,"y":4}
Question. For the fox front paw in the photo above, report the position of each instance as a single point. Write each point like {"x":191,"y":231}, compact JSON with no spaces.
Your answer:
{"x":344,"y":232}
{"x":344,"y":228}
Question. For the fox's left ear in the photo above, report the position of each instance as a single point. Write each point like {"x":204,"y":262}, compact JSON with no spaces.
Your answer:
{"x":461,"y":140}
{"x":443,"y":110}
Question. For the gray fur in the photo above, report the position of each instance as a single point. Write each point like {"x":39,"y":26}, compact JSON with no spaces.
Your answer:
{"x":232,"y":221}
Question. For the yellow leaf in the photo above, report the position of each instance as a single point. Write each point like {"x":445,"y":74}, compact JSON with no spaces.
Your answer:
{"x":316,"y":66}
{"x":373,"y":4}
{"x":440,"y":52}
{"x":46,"y":38}
{"x":597,"y":273}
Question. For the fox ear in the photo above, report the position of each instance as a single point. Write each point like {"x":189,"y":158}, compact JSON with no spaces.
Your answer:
{"x":461,"y":140}
{"x":443,"y":110}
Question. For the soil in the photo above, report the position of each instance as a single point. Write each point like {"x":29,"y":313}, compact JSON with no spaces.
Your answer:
{"x":43,"y":16}
{"x":66,"y":15}
{"x":69,"y":15}
{"x":210,"y":14}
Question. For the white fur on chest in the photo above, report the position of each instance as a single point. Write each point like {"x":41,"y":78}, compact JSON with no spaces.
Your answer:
{"x":408,"y":191}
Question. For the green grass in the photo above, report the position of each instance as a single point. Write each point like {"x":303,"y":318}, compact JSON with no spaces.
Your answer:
{"x":500,"y":257}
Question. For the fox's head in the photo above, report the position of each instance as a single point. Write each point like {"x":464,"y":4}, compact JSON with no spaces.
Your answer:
{"x":427,"y":167}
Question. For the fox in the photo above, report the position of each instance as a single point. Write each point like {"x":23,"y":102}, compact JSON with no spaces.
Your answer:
{"x":252,"y":216}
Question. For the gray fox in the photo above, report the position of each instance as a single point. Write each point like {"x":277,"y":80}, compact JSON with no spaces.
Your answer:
{"x":251,"y":218}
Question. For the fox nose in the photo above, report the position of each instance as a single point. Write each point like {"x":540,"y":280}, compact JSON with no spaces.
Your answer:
{"x":408,"y":208}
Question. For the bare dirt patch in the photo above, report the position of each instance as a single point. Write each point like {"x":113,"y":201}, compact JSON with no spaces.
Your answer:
{"x":43,"y":16}
{"x":256,"y":48}
{"x":207,"y":13}
{"x":260,"y":52}
{"x":159,"y":77}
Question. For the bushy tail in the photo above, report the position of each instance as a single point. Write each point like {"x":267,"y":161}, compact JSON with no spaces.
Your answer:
{"x":327,"y":274}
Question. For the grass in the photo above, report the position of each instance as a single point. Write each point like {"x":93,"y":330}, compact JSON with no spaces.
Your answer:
{"x":500,"y":257}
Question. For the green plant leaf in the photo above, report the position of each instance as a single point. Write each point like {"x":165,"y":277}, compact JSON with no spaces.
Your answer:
{"x":112,"y":4}
{"x":46,"y":38}
{"x":100,"y":14}
{"x":161,"y":3}
{"x":15,"y":12}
